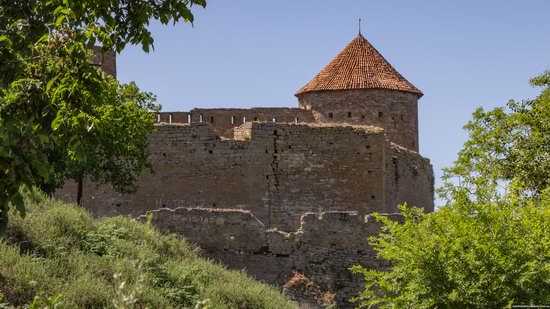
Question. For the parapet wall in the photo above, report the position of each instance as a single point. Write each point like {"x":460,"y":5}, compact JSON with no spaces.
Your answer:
{"x":323,"y":247}
{"x":277,"y":171}
{"x":224,"y":120}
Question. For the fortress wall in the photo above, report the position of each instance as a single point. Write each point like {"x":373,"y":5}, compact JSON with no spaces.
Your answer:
{"x":323,"y":168}
{"x":394,"y":111}
{"x":224,"y":120}
{"x":277,"y":171}
{"x":323,"y":248}
{"x":409,"y":178}
{"x":192,"y":167}
{"x":106,"y":60}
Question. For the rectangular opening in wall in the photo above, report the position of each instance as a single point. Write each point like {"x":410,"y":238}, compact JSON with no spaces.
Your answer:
{"x":170,"y":118}
{"x":189,"y":118}
{"x":255,"y":118}
{"x":296,"y":120}
{"x":232,"y":119}
{"x":380,"y":114}
{"x":274,"y":119}
{"x":349,"y":114}
{"x":158,"y":118}
{"x":373,"y":197}
{"x":211,"y":119}
{"x":330,"y":115}
{"x":200,"y":118}
{"x":244,"y":119}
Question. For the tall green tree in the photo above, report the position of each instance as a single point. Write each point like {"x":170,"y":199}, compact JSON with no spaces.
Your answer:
{"x":489,"y":246}
{"x":59,"y":114}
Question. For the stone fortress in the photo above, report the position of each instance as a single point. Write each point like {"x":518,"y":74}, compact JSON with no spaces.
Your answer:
{"x":286,"y":193}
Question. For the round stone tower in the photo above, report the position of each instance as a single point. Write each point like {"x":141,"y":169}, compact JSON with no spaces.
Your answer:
{"x":359,"y":86}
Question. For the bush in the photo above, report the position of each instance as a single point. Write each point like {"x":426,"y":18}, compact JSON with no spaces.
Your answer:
{"x":471,"y":255}
{"x":58,"y":249}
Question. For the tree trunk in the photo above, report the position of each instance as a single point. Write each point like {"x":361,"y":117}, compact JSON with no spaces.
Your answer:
{"x":79,"y":191}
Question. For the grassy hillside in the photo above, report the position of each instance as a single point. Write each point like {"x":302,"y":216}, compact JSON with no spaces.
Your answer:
{"x":59,"y":250}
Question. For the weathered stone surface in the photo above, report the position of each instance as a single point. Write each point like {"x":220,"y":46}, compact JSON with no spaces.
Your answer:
{"x":322,"y":249}
{"x":394,"y":111}
{"x":278,"y":171}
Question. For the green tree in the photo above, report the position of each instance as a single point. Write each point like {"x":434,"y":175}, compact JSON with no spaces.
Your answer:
{"x":60,"y":115}
{"x":508,"y":151}
{"x":489,"y":246}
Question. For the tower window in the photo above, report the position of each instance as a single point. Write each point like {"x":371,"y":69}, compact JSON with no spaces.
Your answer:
{"x":232,"y":119}
{"x":255,"y":118}
{"x":244,"y":119}
{"x":380,"y":114}
{"x":158,"y":117}
{"x":274,"y":119}
{"x":296,"y":120}
{"x":211,"y":119}
{"x":170,"y":118}
{"x":200,"y":118}
{"x":330,"y":115}
{"x":349,"y":114}
{"x":189,"y":118}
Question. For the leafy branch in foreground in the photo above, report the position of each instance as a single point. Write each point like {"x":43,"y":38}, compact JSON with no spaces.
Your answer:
{"x":59,"y":115}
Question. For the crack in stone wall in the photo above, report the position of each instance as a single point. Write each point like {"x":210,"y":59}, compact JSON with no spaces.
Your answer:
{"x":322,"y":248}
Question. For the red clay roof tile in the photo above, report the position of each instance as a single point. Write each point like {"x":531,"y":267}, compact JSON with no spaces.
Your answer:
{"x":359,"y":66}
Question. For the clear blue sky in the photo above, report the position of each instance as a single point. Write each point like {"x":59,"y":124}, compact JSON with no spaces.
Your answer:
{"x":245,"y":53}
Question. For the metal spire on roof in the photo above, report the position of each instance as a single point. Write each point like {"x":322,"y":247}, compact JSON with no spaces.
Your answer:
{"x":359,"y":26}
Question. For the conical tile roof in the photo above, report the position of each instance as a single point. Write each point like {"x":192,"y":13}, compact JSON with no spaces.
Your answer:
{"x":359,"y":66}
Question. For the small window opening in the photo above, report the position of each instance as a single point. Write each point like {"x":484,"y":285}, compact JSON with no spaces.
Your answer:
{"x":296,"y":120}
{"x":232,"y":119}
{"x":211,"y":119}
{"x":363,"y":116}
{"x":266,"y":176}
{"x":189,"y":118}
{"x":402,"y":117}
{"x":373,"y":197}
{"x":380,"y":114}
{"x":117,"y":205}
{"x":214,"y":205}
{"x":349,"y":114}
{"x":266,"y":151}
{"x":289,"y":147}
{"x":210,"y":151}
{"x":255,"y":118}
{"x":369,"y":172}
{"x":163,"y":205}
{"x":330,"y":115}
{"x":274,"y":119}
{"x":164,"y":154}
{"x":170,"y":118}
{"x":158,"y":118}
{"x":200,"y":118}
{"x":244,"y":119}
{"x":274,"y":132}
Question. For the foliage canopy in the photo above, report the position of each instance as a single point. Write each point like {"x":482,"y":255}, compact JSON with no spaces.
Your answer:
{"x":489,"y":246}
{"x":60,"y":116}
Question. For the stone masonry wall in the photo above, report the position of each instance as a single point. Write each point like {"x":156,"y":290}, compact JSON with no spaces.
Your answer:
{"x":394,"y":111}
{"x":224,"y":120}
{"x":106,"y":60}
{"x":323,"y":247}
{"x":277,"y":171}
